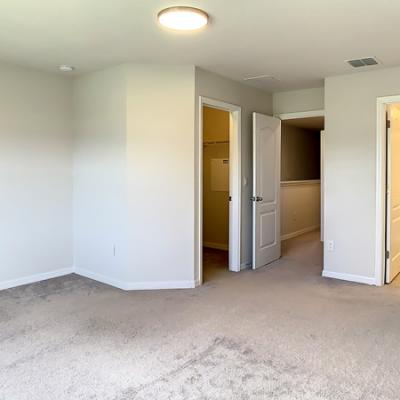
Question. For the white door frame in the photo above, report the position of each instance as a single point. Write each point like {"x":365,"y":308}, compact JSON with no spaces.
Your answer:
{"x":380,"y":236}
{"x":235,"y":179}
{"x":301,"y":114}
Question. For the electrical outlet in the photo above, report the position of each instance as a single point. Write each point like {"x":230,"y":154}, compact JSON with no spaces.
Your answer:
{"x":330,"y":245}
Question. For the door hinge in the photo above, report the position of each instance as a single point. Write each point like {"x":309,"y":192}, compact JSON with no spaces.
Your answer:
{"x":387,"y":254}
{"x":230,"y":198}
{"x":388,"y":124}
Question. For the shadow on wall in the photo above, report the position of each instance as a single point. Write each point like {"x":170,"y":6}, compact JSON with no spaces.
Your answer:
{"x":300,"y":153}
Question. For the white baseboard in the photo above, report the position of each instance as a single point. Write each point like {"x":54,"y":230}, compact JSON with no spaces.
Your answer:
{"x":349,"y":277}
{"x":136,"y":285}
{"x":101,"y":278}
{"x":217,"y":246}
{"x":162,"y":285}
{"x":299,"y":232}
{"x":35,"y":278}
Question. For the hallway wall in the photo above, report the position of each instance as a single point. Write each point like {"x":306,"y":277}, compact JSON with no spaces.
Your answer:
{"x":300,"y":207}
{"x":300,"y":153}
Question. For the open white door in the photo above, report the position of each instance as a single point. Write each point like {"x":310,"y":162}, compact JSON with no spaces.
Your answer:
{"x":266,"y":189}
{"x":393,"y":194}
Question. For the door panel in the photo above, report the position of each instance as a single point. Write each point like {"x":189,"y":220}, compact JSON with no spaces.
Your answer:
{"x":393,"y":194}
{"x":266,"y":189}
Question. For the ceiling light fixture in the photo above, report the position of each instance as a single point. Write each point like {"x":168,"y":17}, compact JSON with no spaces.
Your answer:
{"x":66,"y":68}
{"x":183,"y":18}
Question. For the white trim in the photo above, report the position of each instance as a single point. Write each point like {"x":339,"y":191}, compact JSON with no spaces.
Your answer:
{"x":217,"y":246}
{"x":99,"y":278}
{"x":135,"y":285}
{"x":301,"y":114}
{"x":349,"y":277}
{"x":306,"y":182}
{"x":322,"y":180}
{"x":35,"y":278}
{"x":299,"y":232}
{"x":235,"y":180}
{"x":380,"y":215}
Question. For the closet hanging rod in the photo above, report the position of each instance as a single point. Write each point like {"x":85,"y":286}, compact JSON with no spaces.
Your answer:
{"x":208,"y":142}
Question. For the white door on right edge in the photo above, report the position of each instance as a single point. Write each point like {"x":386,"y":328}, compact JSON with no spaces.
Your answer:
{"x":266,"y":189}
{"x":393,"y":194}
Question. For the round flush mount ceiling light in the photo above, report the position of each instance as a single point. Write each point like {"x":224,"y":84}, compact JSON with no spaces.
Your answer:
{"x":183,"y":18}
{"x":66,"y":68}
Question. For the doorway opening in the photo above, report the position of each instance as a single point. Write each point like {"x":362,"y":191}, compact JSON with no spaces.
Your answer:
{"x":219,"y":188}
{"x":301,"y":201}
{"x":388,"y":192}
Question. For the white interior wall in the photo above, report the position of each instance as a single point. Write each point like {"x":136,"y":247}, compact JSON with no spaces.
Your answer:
{"x":250,"y":100}
{"x":298,"y":100}
{"x":100,"y":210}
{"x":35,"y":176}
{"x":350,"y":170}
{"x":110,"y":169}
{"x":161,"y":175}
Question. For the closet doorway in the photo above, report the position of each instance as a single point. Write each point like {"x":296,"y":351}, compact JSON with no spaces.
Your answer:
{"x":219,"y":194}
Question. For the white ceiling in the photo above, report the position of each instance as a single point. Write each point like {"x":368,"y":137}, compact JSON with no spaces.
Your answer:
{"x":297,"y":41}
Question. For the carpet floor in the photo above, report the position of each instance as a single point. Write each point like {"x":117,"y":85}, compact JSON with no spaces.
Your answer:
{"x":281,"y":332}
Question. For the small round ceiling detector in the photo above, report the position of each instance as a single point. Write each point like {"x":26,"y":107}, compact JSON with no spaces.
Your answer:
{"x":183,"y":18}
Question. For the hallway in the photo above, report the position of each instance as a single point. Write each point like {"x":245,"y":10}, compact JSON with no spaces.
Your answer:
{"x":303,"y":254}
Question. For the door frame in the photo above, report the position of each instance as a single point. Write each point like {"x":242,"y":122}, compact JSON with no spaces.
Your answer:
{"x":301,"y":114}
{"x":235,"y":179}
{"x":381,"y":168}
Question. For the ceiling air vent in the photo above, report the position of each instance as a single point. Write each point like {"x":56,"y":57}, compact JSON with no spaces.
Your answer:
{"x":260,"y":77}
{"x":363,"y":62}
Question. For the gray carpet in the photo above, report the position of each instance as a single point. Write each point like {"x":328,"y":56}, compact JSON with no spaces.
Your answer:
{"x":278,"y":333}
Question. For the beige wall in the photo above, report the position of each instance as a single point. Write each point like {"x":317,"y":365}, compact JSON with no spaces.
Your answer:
{"x":134,"y":176}
{"x":100,"y":172}
{"x":250,"y":100}
{"x":35,"y":175}
{"x":300,"y":153}
{"x":298,"y":100}
{"x":300,"y":208}
{"x":350,"y":168}
{"x":161,"y":173}
{"x":215,"y":203}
